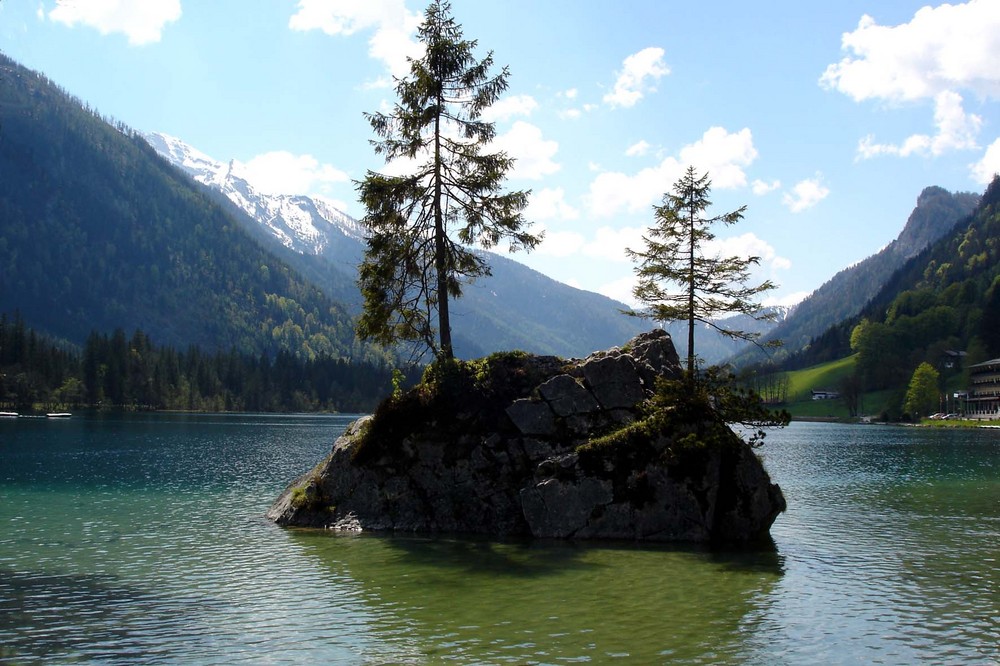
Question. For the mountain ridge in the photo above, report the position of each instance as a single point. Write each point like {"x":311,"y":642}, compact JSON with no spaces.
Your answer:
{"x":514,"y":308}
{"x":844,"y":295}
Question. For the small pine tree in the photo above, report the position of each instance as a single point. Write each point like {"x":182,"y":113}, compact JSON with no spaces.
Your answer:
{"x":674,"y":254}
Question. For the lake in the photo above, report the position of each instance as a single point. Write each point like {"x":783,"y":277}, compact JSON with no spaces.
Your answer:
{"x":139,"y":539}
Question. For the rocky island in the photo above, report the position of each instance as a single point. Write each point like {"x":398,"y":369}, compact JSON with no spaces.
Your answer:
{"x":522,"y":445}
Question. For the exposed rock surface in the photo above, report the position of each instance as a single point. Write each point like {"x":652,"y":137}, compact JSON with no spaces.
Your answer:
{"x":509,"y":456}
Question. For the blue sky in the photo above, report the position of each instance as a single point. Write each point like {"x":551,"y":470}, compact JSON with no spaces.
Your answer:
{"x":826,"y":119}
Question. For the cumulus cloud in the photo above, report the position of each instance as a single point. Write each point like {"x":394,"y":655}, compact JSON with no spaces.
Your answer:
{"x":806,"y":194}
{"x":141,"y":21}
{"x":761,"y":187}
{"x":745,"y":246}
{"x":621,"y":291}
{"x":508,"y":107}
{"x":637,"y":149}
{"x":532,"y":153}
{"x":722,"y":154}
{"x":950,"y":47}
{"x":639,"y":72}
{"x":984,"y":170}
{"x":393,"y":27}
{"x":560,"y":243}
{"x":281,"y":172}
{"x":956,"y":130}
{"x":610,"y":243}
{"x":550,"y":204}
{"x":940,"y":53}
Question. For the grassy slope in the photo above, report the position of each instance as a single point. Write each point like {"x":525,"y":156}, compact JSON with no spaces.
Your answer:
{"x":828,"y":377}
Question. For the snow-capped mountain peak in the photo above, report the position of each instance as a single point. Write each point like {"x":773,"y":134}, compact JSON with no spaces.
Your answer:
{"x":306,"y":224}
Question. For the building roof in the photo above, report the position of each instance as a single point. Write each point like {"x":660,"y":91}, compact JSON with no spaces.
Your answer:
{"x":986,"y":364}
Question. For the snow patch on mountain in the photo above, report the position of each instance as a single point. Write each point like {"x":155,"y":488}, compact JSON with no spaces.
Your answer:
{"x":305,"y":224}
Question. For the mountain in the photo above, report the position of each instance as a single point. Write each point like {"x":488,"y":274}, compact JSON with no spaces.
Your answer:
{"x":846,"y":293}
{"x":942,"y":305}
{"x":97,"y":233}
{"x":515,"y":308}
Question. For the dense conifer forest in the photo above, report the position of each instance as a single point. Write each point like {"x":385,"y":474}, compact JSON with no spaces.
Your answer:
{"x":97,"y":232}
{"x":131,"y":372}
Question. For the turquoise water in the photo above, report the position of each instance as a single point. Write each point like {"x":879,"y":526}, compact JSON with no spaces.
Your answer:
{"x":139,"y":539}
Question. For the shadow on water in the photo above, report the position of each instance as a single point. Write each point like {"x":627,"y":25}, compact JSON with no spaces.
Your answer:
{"x":478,"y":600}
{"x":527,"y":557}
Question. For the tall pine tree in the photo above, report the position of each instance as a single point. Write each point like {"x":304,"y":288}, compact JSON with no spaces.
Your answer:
{"x":422,"y":224}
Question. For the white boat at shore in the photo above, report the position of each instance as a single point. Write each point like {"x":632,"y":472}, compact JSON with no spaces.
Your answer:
{"x":8,"y":415}
{"x":58,"y":415}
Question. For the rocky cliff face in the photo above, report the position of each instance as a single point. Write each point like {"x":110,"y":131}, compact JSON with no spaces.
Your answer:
{"x":529,"y":446}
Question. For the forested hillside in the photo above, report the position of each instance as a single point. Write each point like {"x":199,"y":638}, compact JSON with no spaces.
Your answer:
{"x":947,"y":298}
{"x":132,"y":372}
{"x":99,"y":233}
{"x":846,"y":293}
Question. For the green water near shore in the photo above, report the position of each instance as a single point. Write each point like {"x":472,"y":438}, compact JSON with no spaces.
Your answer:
{"x":139,"y":539}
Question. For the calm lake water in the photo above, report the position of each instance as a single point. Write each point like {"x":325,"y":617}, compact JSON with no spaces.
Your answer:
{"x":139,"y":539}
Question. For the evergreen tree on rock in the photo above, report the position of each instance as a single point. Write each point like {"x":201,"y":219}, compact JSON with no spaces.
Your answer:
{"x":675,"y":255}
{"x":424,"y":224}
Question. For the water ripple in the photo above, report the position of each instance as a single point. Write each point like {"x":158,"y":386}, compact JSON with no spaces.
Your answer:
{"x":143,"y":542}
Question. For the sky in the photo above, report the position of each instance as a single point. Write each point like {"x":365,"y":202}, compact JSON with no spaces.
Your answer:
{"x":825,"y":119}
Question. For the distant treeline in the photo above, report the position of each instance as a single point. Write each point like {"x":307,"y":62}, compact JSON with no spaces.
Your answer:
{"x":119,"y":371}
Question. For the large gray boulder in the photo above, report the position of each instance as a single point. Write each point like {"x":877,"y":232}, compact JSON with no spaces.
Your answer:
{"x":511,"y":452}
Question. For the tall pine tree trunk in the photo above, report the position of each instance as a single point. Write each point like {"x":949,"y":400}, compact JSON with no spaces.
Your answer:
{"x":440,"y":249}
{"x":690,"y":286}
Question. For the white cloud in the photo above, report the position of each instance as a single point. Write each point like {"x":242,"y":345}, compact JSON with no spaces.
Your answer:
{"x":720,"y":153}
{"x":560,"y":243}
{"x":393,"y":25}
{"x":942,"y":51}
{"x":142,"y":21}
{"x":610,"y":243}
{"x":570,"y":94}
{"x":806,"y":194}
{"x":950,"y":47}
{"x":532,"y":153}
{"x":550,"y":204}
{"x":637,"y":149}
{"x":281,"y":172}
{"x":621,"y":290}
{"x":570,"y":114}
{"x":611,"y":192}
{"x":760,"y":187}
{"x":984,"y":170}
{"x":635,"y":79}
{"x":508,"y":107}
{"x":956,"y":130}
{"x":745,"y":246}
{"x":723,"y":155}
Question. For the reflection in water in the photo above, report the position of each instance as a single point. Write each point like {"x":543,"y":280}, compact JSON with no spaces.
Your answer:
{"x":481,"y":601}
{"x":140,"y":539}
